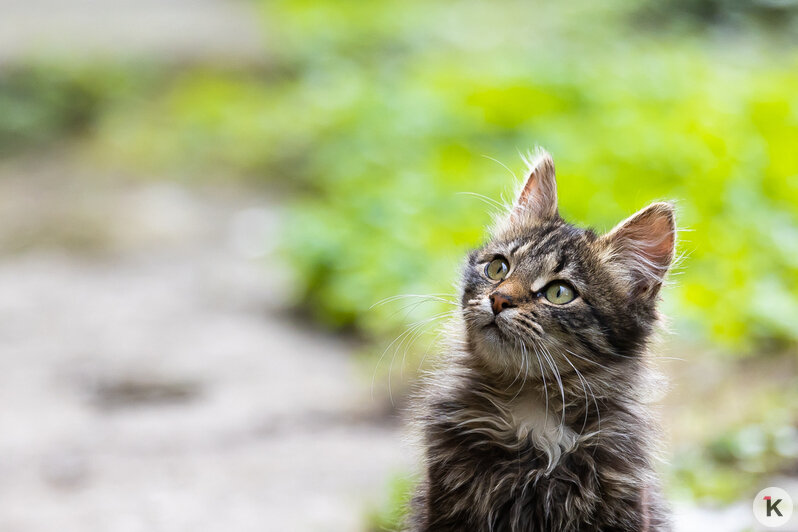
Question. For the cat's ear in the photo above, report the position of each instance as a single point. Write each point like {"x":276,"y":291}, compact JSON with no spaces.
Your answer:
{"x":641,"y":248}
{"x":538,"y":198}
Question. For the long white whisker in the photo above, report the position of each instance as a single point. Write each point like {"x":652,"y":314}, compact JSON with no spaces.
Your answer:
{"x":502,"y":165}
{"x":417,"y":329}
{"x":413,"y":306}
{"x":595,"y":399}
{"x":413,"y":337}
{"x":491,"y":202}
{"x":517,"y":373}
{"x":426,"y":351}
{"x":412,"y":327}
{"x":556,"y":373}
{"x":524,"y":370}
{"x":545,"y":387}
{"x":584,"y":389}
{"x":442,"y":297}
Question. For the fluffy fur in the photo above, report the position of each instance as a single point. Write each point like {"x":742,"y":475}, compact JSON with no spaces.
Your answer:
{"x":537,"y":418}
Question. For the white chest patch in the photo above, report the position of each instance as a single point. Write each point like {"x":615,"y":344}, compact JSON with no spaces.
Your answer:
{"x":546,"y":431}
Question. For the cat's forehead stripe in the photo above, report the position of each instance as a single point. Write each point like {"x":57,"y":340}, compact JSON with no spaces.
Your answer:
{"x":539,"y":283}
{"x":538,"y":245}
{"x":550,"y":264}
{"x":522,"y":248}
{"x":560,"y":264}
{"x":515,"y":245}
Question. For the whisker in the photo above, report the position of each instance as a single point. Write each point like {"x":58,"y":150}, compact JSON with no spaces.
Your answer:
{"x":584,"y":389}
{"x":426,"y":351}
{"x":595,"y":399}
{"x":525,"y":368}
{"x":411,"y":328}
{"x":442,"y":297}
{"x":502,"y":165}
{"x":517,"y":373}
{"x":535,"y":326}
{"x":488,"y":201}
{"x":413,"y":306}
{"x":416,"y":335}
{"x":556,"y":373}
{"x":545,"y":388}
{"x":585,"y":359}
{"x":414,"y":331}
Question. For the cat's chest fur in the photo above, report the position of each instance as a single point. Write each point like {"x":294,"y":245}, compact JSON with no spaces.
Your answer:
{"x":531,"y":421}
{"x":498,"y":463}
{"x":521,"y":423}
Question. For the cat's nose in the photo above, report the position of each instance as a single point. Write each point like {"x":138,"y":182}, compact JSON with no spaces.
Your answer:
{"x":500,"y":302}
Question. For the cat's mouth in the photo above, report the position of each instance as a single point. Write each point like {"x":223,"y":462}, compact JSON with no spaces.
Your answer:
{"x":488,"y":324}
{"x":493,"y":326}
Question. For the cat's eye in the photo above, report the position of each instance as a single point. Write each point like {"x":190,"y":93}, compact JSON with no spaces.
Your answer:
{"x":497,"y":269}
{"x":560,"y":293}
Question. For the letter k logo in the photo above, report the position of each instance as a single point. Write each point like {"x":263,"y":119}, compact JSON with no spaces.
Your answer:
{"x":772,"y":506}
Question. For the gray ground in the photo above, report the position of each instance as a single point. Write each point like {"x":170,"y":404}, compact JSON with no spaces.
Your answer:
{"x":173,"y":29}
{"x":149,"y":379}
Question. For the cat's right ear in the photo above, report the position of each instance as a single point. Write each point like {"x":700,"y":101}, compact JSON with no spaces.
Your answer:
{"x":642,"y":247}
{"x":538,"y":199}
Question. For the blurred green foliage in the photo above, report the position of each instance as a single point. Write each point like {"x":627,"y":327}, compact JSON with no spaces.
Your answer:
{"x":390,"y":515}
{"x":772,"y":16}
{"x":396,"y":103}
{"x":732,"y":462}
{"x":382,"y":113}
{"x":46,"y":102}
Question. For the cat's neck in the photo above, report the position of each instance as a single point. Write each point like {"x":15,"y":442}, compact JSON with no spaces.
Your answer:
{"x":553,"y":404}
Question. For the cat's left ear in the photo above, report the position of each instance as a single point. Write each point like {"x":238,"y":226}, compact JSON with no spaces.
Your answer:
{"x":538,"y":198}
{"x":641,"y":248}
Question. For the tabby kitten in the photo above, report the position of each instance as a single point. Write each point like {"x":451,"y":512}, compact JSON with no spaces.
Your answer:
{"x":537,"y":419}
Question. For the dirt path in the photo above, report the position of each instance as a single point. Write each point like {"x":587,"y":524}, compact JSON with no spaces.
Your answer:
{"x":149,"y":379}
{"x":178,"y":30}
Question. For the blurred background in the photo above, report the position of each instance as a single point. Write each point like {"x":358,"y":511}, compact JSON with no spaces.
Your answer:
{"x":201,"y":202}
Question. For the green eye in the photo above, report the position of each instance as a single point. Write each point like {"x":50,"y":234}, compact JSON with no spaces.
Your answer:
{"x":560,"y":293}
{"x":497,"y":269}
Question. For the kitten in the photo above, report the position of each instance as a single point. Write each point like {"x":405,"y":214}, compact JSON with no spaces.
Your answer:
{"x":537,"y":419}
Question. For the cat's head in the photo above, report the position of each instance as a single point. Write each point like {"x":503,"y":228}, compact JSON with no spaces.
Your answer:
{"x":542,"y":291}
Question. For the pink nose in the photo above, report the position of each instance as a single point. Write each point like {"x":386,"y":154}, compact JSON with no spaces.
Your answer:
{"x":500,"y":302}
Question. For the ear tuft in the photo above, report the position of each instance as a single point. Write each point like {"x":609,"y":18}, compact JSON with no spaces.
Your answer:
{"x":538,"y":198}
{"x":642,"y":247}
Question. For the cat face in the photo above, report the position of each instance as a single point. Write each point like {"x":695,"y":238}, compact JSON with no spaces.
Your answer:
{"x":544,"y":293}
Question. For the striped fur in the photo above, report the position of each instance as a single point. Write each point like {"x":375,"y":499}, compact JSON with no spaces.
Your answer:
{"x":536,"y":419}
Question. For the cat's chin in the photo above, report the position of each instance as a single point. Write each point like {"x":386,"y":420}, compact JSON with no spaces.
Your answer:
{"x":493,"y":337}
{"x":490,"y":334}
{"x":496,"y":345}
{"x":498,"y":349}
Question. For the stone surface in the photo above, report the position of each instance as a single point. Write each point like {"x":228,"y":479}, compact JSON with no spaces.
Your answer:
{"x":179,"y":30}
{"x":151,"y":380}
